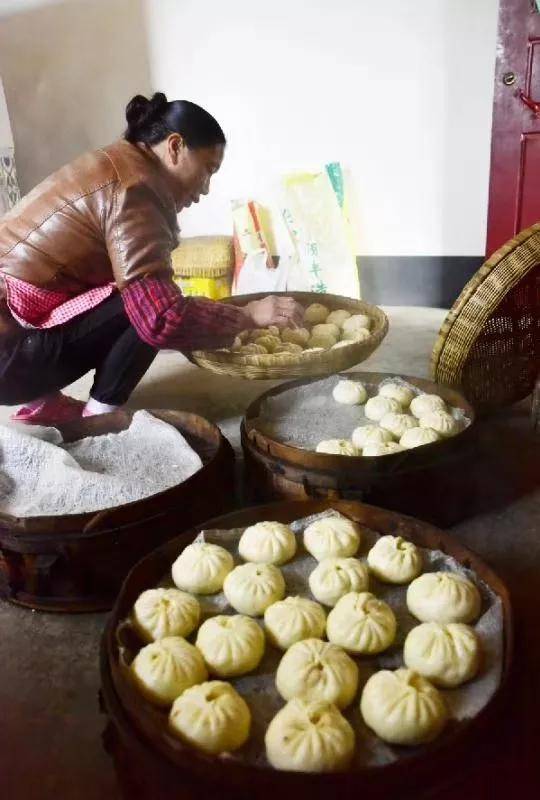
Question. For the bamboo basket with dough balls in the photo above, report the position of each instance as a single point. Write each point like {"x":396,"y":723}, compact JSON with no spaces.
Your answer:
{"x":280,"y":644}
{"x":336,"y":333}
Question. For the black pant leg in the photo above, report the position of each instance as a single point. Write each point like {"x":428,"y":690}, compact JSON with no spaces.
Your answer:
{"x":39,"y":362}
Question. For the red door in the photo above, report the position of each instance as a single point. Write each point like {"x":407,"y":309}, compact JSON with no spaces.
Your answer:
{"x":514,"y":191}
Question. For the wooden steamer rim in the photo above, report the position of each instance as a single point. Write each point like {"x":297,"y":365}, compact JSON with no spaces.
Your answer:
{"x":77,"y":562}
{"x":140,"y":721}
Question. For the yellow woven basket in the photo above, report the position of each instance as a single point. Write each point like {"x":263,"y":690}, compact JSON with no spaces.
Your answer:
{"x":203,"y":266}
{"x":490,"y":341}
{"x":291,"y":365}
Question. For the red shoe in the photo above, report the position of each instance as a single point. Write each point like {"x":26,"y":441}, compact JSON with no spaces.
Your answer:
{"x":55,"y":409}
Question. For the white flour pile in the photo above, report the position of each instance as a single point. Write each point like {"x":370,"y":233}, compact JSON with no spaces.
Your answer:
{"x":42,"y":477}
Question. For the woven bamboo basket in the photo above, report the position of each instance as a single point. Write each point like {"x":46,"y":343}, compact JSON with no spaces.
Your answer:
{"x":291,"y":365}
{"x":489,"y":344}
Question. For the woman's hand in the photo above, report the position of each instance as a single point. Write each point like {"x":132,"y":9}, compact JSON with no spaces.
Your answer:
{"x":271,"y":310}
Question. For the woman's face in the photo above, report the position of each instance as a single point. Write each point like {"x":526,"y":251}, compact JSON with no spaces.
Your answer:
{"x":190,"y":170}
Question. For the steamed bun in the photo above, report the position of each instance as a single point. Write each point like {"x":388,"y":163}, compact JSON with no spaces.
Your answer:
{"x":309,"y":736}
{"x":212,"y":717}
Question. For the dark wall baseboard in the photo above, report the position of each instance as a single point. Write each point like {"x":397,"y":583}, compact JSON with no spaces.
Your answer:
{"x":415,"y":280}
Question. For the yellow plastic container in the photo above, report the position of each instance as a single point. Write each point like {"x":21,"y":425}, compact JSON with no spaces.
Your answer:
{"x":203,"y":266}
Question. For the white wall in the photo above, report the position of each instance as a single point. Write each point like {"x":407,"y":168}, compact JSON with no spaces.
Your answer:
{"x":399,"y":92}
{"x":6,"y":137}
{"x":68,"y":69}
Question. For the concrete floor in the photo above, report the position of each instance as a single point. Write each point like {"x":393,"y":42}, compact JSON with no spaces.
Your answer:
{"x":50,"y":723}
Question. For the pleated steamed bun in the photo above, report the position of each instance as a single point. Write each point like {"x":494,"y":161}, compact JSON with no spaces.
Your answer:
{"x":332,"y":537}
{"x":309,"y":736}
{"x":201,"y":568}
{"x":164,"y":669}
{"x":230,"y":645}
{"x":267,"y":543}
{"x":402,"y":707}
{"x":158,"y":613}
{"x":335,"y":577}
{"x":393,"y":559}
{"x":443,"y":597}
{"x":447,"y":654}
{"x":317,"y":670}
{"x":251,"y":588}
{"x":212,"y":717}
{"x":361,"y":624}
{"x":293,"y":619}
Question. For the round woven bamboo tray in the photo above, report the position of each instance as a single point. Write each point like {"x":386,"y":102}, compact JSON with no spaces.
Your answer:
{"x":489,"y":344}
{"x":420,"y":481}
{"x":153,"y":765}
{"x":77,"y":562}
{"x":287,"y":365}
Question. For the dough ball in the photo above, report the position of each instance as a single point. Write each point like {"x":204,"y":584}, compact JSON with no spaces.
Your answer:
{"x":317,"y":670}
{"x":309,"y":737}
{"x":236,"y":345}
{"x":335,"y":577}
{"x":398,"y":423}
{"x":258,"y":333}
{"x":252,"y":349}
{"x":377,"y":407}
{"x":273,"y":330}
{"x":394,"y":560}
{"x":315,"y":313}
{"x":201,"y":568}
{"x":396,"y":391}
{"x":251,"y":588}
{"x":424,"y":404}
{"x":370,"y":434}
{"x":332,"y":537}
{"x":293,"y":619}
{"x":164,"y":669}
{"x":212,"y":717}
{"x":382,"y":449}
{"x":244,"y":336}
{"x":267,"y":543}
{"x":356,"y":322}
{"x":326,"y":329}
{"x":338,"y":317}
{"x":230,"y":645}
{"x":295,"y":335}
{"x":362,"y":624}
{"x":359,"y":335}
{"x":269,"y":342}
{"x":158,"y":613}
{"x":337,"y":447}
{"x":442,"y":422}
{"x":350,"y":393}
{"x":402,"y":707}
{"x":447,"y":654}
{"x":443,"y":597}
{"x":323,"y":340}
{"x":416,"y":437}
{"x":288,"y":347}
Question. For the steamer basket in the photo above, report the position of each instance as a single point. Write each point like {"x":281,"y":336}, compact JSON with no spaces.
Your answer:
{"x":77,"y":562}
{"x":419,"y":481}
{"x":153,"y":765}
{"x":272,"y":367}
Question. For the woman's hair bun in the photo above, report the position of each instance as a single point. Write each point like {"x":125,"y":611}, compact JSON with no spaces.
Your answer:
{"x":140,"y":111}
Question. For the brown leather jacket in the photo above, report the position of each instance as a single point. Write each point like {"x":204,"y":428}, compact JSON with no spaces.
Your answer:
{"x":109,"y":215}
